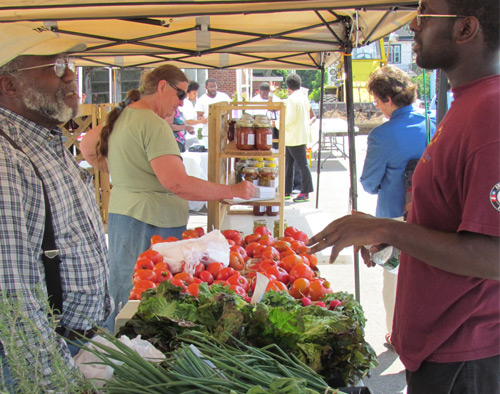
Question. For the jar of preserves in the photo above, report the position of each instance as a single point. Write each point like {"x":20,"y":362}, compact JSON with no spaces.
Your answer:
{"x":272,"y":210}
{"x":251,"y":174}
{"x":245,"y":135}
{"x":276,"y":229}
{"x":259,"y":210}
{"x":263,"y":134}
{"x":259,"y":223}
{"x":267,"y":176}
{"x":231,"y":129}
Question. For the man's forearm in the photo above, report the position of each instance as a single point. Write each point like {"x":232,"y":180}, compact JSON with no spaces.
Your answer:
{"x":464,"y":253}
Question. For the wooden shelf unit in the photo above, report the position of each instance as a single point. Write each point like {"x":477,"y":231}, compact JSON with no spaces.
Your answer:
{"x":221,"y":154}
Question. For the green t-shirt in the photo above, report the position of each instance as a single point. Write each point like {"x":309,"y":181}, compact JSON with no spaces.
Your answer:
{"x":138,"y":137}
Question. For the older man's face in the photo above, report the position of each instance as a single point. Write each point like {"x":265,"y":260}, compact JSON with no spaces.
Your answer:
{"x":47,"y":97}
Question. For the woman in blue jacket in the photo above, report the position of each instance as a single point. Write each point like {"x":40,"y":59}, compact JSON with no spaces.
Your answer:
{"x":390,"y":147}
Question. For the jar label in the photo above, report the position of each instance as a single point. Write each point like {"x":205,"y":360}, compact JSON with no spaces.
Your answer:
{"x":269,"y":139}
{"x":251,"y":139}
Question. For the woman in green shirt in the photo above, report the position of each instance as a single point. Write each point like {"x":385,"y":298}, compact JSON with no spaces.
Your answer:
{"x":151,"y":188}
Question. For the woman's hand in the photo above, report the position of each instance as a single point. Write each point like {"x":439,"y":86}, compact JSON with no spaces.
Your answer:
{"x":244,"y":190}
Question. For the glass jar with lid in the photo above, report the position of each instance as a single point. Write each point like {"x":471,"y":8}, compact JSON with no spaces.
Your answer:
{"x":251,"y":174}
{"x":231,"y":129}
{"x":239,"y":166}
{"x":245,"y":135}
{"x":263,"y":134}
{"x":267,"y":177}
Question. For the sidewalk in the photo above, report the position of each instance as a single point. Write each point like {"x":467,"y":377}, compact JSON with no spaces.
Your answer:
{"x":389,"y":376}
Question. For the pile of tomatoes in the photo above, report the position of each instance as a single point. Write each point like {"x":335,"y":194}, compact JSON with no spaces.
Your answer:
{"x":285,"y":261}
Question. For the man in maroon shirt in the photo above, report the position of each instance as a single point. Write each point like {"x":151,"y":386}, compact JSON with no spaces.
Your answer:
{"x":447,"y":317}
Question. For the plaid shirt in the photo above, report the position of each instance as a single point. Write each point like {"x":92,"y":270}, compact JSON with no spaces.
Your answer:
{"x":79,"y":233}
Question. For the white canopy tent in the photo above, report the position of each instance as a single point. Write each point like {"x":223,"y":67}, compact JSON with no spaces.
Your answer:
{"x":279,"y":34}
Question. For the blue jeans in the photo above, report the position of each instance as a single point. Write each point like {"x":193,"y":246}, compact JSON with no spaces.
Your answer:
{"x":128,"y":238}
{"x":468,"y":377}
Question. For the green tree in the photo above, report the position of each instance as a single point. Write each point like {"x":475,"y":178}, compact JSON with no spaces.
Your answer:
{"x":419,"y":80}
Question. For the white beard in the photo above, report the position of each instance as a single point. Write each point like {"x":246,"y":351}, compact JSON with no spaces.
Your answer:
{"x":37,"y":101}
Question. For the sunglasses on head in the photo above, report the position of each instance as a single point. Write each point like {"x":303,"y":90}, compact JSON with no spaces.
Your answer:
{"x":181,"y":94}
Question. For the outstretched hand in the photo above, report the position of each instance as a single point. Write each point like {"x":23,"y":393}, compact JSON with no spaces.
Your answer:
{"x":356,"y":230}
{"x":244,"y":190}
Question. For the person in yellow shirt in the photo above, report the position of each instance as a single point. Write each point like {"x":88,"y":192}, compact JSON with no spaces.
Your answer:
{"x":297,"y":135}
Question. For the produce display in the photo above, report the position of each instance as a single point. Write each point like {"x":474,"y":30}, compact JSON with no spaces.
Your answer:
{"x":299,"y":312}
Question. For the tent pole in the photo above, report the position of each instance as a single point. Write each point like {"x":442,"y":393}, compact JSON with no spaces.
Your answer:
{"x":353,"y":198}
{"x":320,"y":132}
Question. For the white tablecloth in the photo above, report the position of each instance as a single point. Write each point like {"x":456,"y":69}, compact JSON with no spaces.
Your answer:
{"x":196,"y":164}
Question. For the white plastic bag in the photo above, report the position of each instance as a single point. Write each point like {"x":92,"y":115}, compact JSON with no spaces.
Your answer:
{"x":89,"y":366}
{"x":186,"y":254}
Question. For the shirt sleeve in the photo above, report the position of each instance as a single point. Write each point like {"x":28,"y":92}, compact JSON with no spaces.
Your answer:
{"x":374,"y":166}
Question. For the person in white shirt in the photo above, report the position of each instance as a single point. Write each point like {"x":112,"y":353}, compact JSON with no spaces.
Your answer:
{"x":212,"y":96}
{"x":264,"y":96}
{"x":297,"y":135}
{"x":189,"y":113}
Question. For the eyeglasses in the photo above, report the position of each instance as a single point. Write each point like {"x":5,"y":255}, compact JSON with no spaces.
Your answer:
{"x":422,"y":16}
{"x":181,"y":94}
{"x":60,"y":66}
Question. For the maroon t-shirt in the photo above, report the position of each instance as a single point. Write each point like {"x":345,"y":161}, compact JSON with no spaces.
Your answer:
{"x":440,"y":316}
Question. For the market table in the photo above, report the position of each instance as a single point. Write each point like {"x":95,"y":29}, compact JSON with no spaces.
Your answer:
{"x":334,"y":131}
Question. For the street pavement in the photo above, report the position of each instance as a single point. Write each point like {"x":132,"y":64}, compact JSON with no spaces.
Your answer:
{"x":334,"y":185}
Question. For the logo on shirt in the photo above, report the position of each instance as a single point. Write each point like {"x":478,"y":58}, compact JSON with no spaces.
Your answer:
{"x":495,"y":196}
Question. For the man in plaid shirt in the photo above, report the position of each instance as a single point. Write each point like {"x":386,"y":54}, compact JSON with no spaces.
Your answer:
{"x":38,"y":91}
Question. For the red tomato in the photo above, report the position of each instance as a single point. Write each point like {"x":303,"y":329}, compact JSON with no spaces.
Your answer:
{"x":257,"y":252}
{"x":287,"y":239}
{"x":144,"y":264}
{"x":200,"y":231}
{"x":234,"y":235}
{"x":144,"y":284}
{"x":300,"y":288}
{"x":153,"y":255}
{"x":286,"y":253}
{"x":250,"y":275}
{"x":230,"y":242}
{"x":193,"y":289}
{"x":238,"y":290}
{"x":179,"y":283}
{"x":313,"y":260}
{"x":276,"y":285}
{"x":281,"y":245}
{"x":156,"y":239}
{"x":265,"y":264}
{"x":270,"y":253}
{"x":288,"y":262}
{"x":189,"y":234}
{"x":252,"y":238}
{"x":298,"y":246}
{"x":171,"y":239}
{"x":301,"y":236}
{"x":267,"y":240}
{"x":238,"y":280}
{"x":197,"y":280}
{"x":236,"y":261}
{"x":225,"y":273}
{"x":144,"y":275}
{"x":241,"y":250}
{"x":186,"y":277}
{"x":214,"y":268}
{"x":301,"y":270}
{"x":289,"y":231}
{"x":262,"y":230}
{"x":221,"y":282}
{"x":318,"y":289}
{"x":279,"y":273}
{"x":135,"y":294}
{"x":200,"y":267}
{"x":162,"y":272}
{"x":250,"y":248}
{"x":206,"y":276}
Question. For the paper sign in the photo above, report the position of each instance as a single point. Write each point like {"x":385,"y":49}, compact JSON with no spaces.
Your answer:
{"x":260,"y":288}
